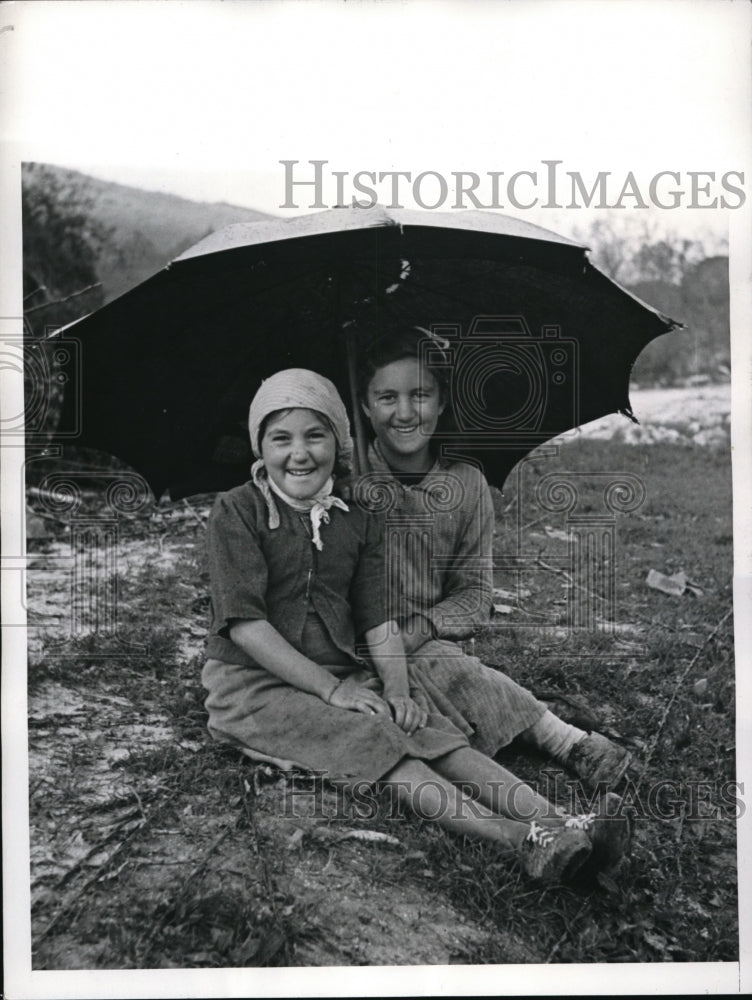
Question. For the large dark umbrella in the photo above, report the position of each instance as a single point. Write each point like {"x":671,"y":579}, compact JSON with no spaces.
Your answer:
{"x":540,"y":340}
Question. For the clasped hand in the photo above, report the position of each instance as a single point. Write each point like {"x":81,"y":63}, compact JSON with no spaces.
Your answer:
{"x":358,"y":697}
{"x":407,"y":713}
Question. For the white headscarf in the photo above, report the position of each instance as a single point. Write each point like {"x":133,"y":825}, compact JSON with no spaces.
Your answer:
{"x":291,"y":389}
{"x":299,"y":387}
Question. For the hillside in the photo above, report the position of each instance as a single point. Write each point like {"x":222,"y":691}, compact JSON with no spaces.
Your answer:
{"x":143,"y":230}
{"x":149,"y":228}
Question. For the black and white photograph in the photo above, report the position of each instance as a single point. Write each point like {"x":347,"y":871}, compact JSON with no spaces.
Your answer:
{"x":376,"y":547}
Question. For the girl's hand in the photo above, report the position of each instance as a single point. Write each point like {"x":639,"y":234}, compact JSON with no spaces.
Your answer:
{"x":357,"y":697}
{"x":408,"y":714}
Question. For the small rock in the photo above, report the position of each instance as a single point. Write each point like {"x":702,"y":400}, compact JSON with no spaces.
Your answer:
{"x":35,"y":526}
{"x":700,"y":687}
{"x":674,"y":585}
{"x":295,"y":840}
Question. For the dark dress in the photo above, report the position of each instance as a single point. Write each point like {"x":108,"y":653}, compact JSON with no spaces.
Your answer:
{"x":321,"y":602}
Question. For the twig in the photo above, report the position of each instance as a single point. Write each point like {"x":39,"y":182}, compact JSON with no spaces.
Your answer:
{"x":668,"y":628}
{"x":129,"y":816}
{"x":125,"y":799}
{"x":40,"y":781}
{"x":48,"y":517}
{"x":59,"y":302}
{"x":193,"y":512}
{"x":140,"y":803}
{"x":36,"y":491}
{"x":675,"y":692}
{"x":65,"y":908}
{"x":531,"y":524}
{"x":87,"y":885}
{"x":568,"y":577}
{"x":249,"y":809}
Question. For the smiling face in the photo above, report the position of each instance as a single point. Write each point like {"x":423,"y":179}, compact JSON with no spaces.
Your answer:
{"x":299,"y":449}
{"x":403,"y":402}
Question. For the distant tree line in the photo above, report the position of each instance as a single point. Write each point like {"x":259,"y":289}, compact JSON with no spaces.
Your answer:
{"x":685,"y":279}
{"x":61,"y":244}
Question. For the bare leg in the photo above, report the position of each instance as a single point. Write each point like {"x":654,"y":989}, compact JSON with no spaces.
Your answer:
{"x":545,"y":855}
{"x":432,"y":797}
{"x":494,"y":786}
{"x":499,"y":790}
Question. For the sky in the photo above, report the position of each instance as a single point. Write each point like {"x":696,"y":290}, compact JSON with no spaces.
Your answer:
{"x":204,"y":98}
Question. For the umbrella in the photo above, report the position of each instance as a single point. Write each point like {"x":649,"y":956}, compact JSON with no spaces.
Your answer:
{"x":539,"y":339}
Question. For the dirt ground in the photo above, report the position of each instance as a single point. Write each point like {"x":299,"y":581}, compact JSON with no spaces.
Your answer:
{"x":103,"y":746}
{"x":153,"y":848}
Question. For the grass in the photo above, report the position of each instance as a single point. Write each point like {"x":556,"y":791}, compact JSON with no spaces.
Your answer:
{"x":197,"y":863}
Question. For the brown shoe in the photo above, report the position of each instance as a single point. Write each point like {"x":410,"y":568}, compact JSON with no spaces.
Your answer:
{"x":610,"y":834}
{"x":598,"y":761}
{"x":554,"y":855}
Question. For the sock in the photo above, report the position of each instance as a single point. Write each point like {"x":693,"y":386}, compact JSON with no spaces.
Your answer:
{"x":553,"y":735}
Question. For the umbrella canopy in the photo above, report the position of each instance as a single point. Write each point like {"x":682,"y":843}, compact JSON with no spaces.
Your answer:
{"x":540,"y":340}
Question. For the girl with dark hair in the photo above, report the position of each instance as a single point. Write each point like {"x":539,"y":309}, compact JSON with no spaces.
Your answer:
{"x":440,"y":524}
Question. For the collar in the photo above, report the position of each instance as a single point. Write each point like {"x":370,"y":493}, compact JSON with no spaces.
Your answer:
{"x":317,"y":507}
{"x":378,"y":463}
